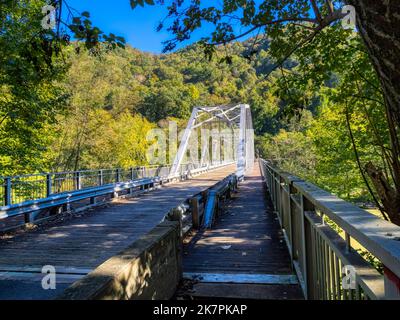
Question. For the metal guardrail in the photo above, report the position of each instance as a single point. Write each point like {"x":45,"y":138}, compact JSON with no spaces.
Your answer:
{"x":28,"y":194}
{"x":313,"y":221}
{"x":18,"y":189}
{"x":200,"y":210}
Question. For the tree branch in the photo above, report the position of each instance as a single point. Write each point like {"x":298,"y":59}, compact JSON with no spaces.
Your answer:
{"x":294,"y":19}
{"x":310,"y":38}
{"x":329,"y":4}
{"x":316,"y":10}
{"x":359,"y":164}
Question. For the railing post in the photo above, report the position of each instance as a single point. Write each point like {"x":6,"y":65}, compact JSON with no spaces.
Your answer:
{"x":117,"y":175}
{"x":279,"y":200}
{"x":7,"y":191}
{"x":78,"y":180}
{"x":307,"y":248}
{"x":48,"y":185}
{"x":132,"y":173}
{"x":289,"y":232}
{"x":348,"y":241}
{"x":274,"y":190}
{"x":101,"y":177}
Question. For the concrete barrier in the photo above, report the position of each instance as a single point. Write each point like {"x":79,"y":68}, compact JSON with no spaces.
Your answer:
{"x":150,"y":268}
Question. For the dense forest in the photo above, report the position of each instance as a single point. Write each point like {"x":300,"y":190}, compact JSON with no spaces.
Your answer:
{"x":67,"y":105}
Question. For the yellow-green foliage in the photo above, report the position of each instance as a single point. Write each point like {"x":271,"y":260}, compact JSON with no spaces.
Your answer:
{"x":115,"y":98}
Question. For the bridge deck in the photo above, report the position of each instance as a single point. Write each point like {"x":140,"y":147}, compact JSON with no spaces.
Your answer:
{"x":78,"y":245}
{"x":246,"y":240}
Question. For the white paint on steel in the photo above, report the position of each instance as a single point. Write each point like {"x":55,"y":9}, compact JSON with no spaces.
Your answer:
{"x":238,"y":118}
{"x":184,"y":143}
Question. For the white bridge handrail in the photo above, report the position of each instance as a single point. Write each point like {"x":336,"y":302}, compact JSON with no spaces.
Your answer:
{"x":316,"y":246}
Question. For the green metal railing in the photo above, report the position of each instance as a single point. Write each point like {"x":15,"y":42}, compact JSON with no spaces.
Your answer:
{"x":18,"y":189}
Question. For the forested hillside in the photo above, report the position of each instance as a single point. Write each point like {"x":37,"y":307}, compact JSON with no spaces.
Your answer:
{"x":110,"y":100}
{"x":113,"y":98}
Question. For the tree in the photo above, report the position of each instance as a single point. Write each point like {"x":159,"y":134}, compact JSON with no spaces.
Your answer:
{"x":32,"y":68}
{"x":29,"y":92}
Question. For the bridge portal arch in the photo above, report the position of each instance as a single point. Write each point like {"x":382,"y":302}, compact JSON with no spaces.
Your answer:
{"x":229,"y":127}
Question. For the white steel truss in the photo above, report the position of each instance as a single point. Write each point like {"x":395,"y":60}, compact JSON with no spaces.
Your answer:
{"x":236,"y":118}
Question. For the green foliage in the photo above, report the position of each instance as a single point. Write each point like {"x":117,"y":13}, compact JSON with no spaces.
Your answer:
{"x":291,"y":148}
{"x":377,"y":264}
{"x":29,"y":90}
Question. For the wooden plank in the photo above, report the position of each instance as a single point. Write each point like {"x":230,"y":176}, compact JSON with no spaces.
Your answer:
{"x":242,"y":278}
{"x":37,"y":277}
{"x":59,"y":269}
{"x":246,"y":291}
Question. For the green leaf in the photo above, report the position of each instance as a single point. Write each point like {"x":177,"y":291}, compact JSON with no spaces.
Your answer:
{"x":135,"y":3}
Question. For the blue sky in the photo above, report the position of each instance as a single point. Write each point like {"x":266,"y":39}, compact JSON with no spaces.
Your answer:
{"x":137,"y":26}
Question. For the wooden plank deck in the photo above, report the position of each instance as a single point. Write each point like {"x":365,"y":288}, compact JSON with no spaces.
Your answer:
{"x":85,"y":242}
{"x":246,"y":239}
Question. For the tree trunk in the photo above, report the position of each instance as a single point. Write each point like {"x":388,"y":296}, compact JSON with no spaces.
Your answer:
{"x":389,"y":196}
{"x":379,"y":25}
